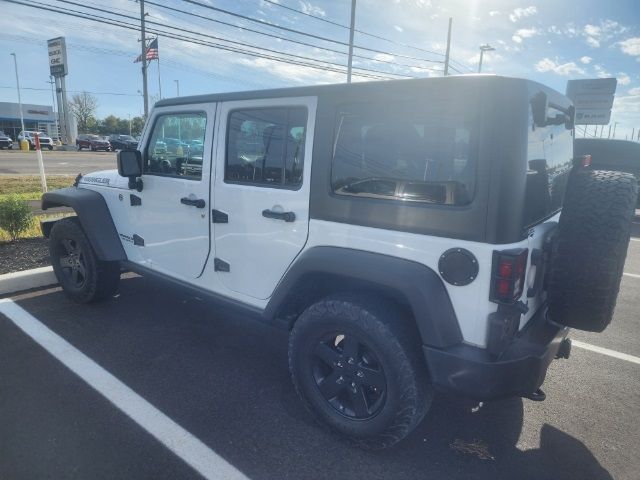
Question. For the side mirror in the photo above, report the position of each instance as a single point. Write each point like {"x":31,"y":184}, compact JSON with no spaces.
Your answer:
{"x":539,"y":107}
{"x":130,"y":166}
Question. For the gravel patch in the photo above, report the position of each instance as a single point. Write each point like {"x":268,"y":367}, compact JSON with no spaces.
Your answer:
{"x":24,"y":254}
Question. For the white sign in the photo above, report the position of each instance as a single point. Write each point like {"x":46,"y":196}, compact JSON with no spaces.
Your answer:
{"x":592,"y":99}
{"x":57,"y":57}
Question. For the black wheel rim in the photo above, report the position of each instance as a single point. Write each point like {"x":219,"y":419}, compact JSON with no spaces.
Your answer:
{"x":349,"y":376}
{"x":72,"y":262}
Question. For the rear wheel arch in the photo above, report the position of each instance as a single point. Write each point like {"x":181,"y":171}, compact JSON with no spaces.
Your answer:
{"x":413,"y":288}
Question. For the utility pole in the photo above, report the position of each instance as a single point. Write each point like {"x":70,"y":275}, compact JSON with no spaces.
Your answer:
{"x":633,"y":133}
{"x":351,"y":32}
{"x":15,"y":64}
{"x":614,"y":129}
{"x":609,"y":135}
{"x":177,"y":87}
{"x":446,"y":57}
{"x":143,"y":43}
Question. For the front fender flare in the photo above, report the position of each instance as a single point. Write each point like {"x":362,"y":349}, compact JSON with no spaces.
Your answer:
{"x":95,"y":219}
{"x":419,"y":286}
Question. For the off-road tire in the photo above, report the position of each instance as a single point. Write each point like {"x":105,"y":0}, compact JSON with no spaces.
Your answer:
{"x":101,"y":279}
{"x":590,"y":248}
{"x":393,"y":339}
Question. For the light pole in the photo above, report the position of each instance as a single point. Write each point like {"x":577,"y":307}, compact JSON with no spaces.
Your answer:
{"x":484,"y":48}
{"x":15,"y":64}
{"x":177,"y":87}
{"x":614,"y":129}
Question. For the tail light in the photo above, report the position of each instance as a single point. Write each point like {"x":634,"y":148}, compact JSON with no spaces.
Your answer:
{"x":508,"y":274}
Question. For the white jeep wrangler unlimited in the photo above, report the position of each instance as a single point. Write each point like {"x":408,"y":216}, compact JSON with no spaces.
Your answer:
{"x":407,"y":233}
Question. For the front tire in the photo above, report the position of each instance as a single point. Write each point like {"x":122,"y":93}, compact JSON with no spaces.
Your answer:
{"x":356,"y":364}
{"x":83,"y":277}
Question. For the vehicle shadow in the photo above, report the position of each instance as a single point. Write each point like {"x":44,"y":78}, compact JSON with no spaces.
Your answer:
{"x":224,"y":378}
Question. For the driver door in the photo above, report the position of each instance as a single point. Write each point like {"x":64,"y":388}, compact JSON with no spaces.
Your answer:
{"x":171,"y":215}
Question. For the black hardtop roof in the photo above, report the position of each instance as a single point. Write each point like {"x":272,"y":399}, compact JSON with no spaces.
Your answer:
{"x":461,"y":81}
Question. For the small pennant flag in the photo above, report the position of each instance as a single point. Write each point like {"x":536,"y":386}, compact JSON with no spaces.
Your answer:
{"x":152,"y":52}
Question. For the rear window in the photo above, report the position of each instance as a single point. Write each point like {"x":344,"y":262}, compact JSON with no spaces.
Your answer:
{"x":404,"y":152}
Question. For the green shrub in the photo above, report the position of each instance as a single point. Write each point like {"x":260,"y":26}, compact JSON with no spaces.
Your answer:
{"x":15,"y":216}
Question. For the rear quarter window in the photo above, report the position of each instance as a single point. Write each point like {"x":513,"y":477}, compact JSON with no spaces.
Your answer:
{"x":405,"y":152}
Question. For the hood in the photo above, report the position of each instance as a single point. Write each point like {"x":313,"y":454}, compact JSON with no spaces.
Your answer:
{"x":104,"y":178}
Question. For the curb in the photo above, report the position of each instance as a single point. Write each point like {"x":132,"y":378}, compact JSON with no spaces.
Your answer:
{"x":27,"y":279}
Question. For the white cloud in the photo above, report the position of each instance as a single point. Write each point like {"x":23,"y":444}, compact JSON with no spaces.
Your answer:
{"x":623,"y":78}
{"x":398,"y":28}
{"x":602,"y":72}
{"x":523,"y":33}
{"x":631,"y":46}
{"x":493,"y":13}
{"x":634,"y":91}
{"x":564,"y":69}
{"x":607,"y":29}
{"x":586,"y":60}
{"x":519,"y":13}
{"x":309,"y":8}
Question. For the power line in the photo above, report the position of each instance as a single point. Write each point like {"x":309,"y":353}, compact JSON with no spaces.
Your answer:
{"x":299,"y":42}
{"x":362,"y":32}
{"x":109,"y":21}
{"x":299,"y":32}
{"x":75,"y":91}
{"x":301,"y":57}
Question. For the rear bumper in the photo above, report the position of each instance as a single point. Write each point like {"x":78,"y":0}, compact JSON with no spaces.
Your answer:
{"x":519,"y":371}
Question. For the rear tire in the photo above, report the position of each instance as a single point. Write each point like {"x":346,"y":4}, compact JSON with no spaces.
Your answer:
{"x":83,"y":277}
{"x":357,"y":365}
{"x":591,"y":247}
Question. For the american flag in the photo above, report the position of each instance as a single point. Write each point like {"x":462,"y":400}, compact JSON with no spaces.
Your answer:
{"x":152,"y":52}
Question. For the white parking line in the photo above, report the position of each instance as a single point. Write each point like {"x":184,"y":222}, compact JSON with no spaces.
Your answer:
{"x":635,"y":239}
{"x":606,"y":351}
{"x":195,"y":453}
{"x":633,"y":275}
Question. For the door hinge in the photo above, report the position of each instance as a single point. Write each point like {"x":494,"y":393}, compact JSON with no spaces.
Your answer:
{"x":135,"y":200}
{"x":138,"y":240}
{"x":221,"y":265}
{"x":219,"y":217}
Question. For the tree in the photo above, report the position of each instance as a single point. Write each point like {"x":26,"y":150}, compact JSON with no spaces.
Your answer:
{"x":83,"y":106}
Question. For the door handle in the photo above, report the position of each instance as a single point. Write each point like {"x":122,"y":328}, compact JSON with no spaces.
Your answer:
{"x":194,"y":202}
{"x":286,"y":216}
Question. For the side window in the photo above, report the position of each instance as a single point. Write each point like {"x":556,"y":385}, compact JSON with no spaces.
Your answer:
{"x":176,"y":146}
{"x":265,"y":146}
{"x":402,"y":152}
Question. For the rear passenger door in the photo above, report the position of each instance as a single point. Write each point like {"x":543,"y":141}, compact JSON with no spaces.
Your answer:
{"x":261,"y":190}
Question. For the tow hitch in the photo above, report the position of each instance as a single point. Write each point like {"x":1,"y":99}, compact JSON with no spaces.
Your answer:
{"x":565,"y":349}
{"x":537,"y":396}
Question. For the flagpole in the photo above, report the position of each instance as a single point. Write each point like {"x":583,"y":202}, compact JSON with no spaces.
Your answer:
{"x":159,"y":82}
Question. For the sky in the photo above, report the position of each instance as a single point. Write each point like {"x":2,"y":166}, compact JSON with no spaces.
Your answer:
{"x":550,"y":41}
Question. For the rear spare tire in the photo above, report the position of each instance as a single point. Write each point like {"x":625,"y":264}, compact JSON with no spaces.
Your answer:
{"x":590,"y":248}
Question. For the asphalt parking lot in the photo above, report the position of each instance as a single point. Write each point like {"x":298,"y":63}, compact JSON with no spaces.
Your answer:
{"x":15,"y":162}
{"x":206,"y":390}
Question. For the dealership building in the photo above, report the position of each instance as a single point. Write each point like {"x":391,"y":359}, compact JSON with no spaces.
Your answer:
{"x":40,"y":118}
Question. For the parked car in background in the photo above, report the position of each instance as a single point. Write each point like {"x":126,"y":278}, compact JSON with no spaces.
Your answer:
{"x":30,"y":136}
{"x":5,"y":141}
{"x":123,"y":142}
{"x":174,"y":145}
{"x":93,"y":143}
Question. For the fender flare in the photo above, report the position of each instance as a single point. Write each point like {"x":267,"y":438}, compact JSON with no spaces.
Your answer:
{"x":416,"y":285}
{"x":95,"y":219}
